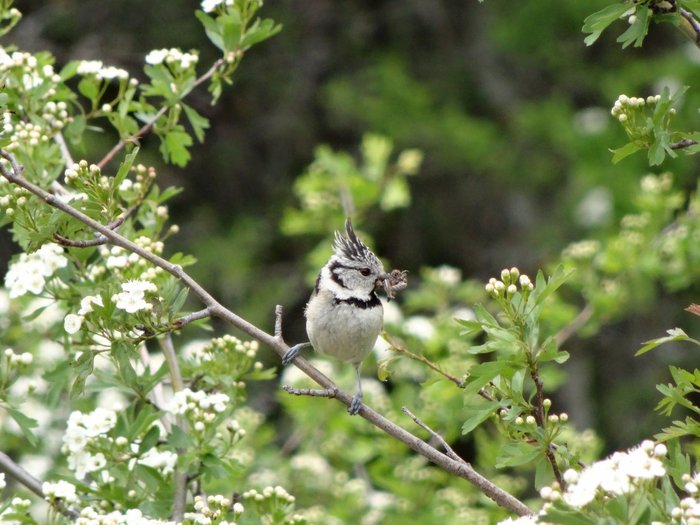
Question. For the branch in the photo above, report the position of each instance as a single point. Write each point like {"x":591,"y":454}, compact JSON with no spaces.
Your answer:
{"x":192,"y":317}
{"x":574,"y":326}
{"x":540,"y":419}
{"x":448,"y":449}
{"x":685,"y":143}
{"x":275,"y":342}
{"x":422,"y":359}
{"x":20,"y":475}
{"x":146,"y":128}
{"x":329,"y":392}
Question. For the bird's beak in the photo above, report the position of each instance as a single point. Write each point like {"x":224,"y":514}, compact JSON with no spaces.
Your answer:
{"x":384,"y":281}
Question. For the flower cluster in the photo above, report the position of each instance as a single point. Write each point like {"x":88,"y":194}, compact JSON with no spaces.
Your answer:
{"x":172,"y":57}
{"x":508,"y":283}
{"x":73,"y":322}
{"x":97,"y":69}
{"x":199,"y":407}
{"x":29,"y":73}
{"x":17,"y":507}
{"x":582,"y":250}
{"x":213,"y":509}
{"x":30,"y":272}
{"x":59,"y":490}
{"x":621,"y":473}
{"x":90,"y":516}
{"x":132,"y":298}
{"x":25,"y":358}
{"x":270,"y":500}
{"x":688,"y":510}
{"x":625,"y":107}
{"x":162,"y":460}
{"x":84,"y":432}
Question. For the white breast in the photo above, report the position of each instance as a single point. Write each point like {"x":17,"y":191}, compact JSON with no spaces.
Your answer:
{"x":342,"y":330}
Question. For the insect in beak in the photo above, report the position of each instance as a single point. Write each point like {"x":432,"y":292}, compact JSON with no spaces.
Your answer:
{"x":392,"y":282}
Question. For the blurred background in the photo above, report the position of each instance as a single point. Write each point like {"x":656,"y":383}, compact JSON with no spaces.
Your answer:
{"x":509,"y":108}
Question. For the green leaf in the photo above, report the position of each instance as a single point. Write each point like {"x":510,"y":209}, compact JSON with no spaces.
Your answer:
{"x":25,"y":424}
{"x":557,"y":279}
{"x":596,"y":23}
{"x":638,"y":30}
{"x":125,"y":166}
{"x":675,"y":334}
{"x":231,"y":26}
{"x":179,"y":438}
{"x":517,"y":453}
{"x":197,"y":121}
{"x":174,"y":147}
{"x":478,"y":413}
{"x":626,"y":150}
{"x":212,"y":29}
{"x":149,"y":440}
{"x":567,"y":517}
{"x":89,"y":89}
{"x":261,"y":30}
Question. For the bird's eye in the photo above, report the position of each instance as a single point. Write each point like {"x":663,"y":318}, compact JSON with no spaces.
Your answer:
{"x":365,"y":271}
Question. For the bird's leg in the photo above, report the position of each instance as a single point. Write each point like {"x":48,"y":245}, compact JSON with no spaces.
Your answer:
{"x":290,"y":354}
{"x":356,"y":402}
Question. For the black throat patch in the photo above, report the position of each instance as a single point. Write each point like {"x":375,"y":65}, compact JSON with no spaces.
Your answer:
{"x":363,"y":304}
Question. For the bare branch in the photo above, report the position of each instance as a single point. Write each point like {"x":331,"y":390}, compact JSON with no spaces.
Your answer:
{"x":20,"y":475}
{"x":450,"y":465}
{"x":396,"y":347}
{"x":448,"y":449}
{"x":685,"y":143}
{"x":329,"y":392}
{"x":574,"y":326}
{"x":190,"y":318}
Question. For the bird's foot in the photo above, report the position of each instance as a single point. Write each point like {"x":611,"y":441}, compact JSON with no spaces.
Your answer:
{"x":355,"y":404}
{"x":290,"y":354}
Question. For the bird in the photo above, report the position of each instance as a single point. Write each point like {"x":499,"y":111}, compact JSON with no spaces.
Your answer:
{"x":344,"y":315}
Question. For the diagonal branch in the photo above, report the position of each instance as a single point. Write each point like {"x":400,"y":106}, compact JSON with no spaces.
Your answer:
{"x":465,"y":471}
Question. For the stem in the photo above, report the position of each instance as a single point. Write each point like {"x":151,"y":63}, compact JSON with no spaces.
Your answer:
{"x":448,"y":449}
{"x":395,"y":346}
{"x":275,"y":342}
{"x":574,"y":326}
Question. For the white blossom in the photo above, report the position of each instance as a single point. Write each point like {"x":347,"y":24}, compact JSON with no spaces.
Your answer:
{"x":72,"y":323}
{"x":59,"y":489}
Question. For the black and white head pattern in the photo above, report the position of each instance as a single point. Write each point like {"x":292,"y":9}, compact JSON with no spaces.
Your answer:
{"x":352,"y":272}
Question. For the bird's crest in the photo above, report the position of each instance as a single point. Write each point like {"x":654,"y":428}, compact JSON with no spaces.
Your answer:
{"x":350,"y":247}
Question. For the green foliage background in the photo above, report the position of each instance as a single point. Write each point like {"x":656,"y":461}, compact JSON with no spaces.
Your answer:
{"x":511,"y":112}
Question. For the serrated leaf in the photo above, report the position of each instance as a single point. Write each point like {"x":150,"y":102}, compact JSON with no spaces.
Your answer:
{"x":25,"y":423}
{"x":600,"y":20}
{"x":174,"y":147}
{"x":675,"y":334}
{"x":125,"y":166}
{"x":477,"y":414}
{"x":516,"y":453}
{"x":197,"y":121}
{"x":636,"y":32}
{"x":626,"y":150}
{"x":211,"y":28}
{"x":261,"y":30}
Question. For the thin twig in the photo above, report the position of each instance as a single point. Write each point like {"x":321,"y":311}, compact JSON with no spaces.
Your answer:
{"x":685,"y":143}
{"x":575,"y":325}
{"x":396,"y":347}
{"x":693,"y":26}
{"x":448,"y":449}
{"x":190,"y":318}
{"x":166,"y":345}
{"x":540,"y":419}
{"x":326,"y":392}
{"x":63,"y":147}
{"x":450,"y":465}
{"x":146,"y":128}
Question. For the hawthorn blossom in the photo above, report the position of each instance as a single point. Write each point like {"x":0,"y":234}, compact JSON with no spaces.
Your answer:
{"x":30,"y":272}
{"x":132,"y":298}
{"x":59,"y":490}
